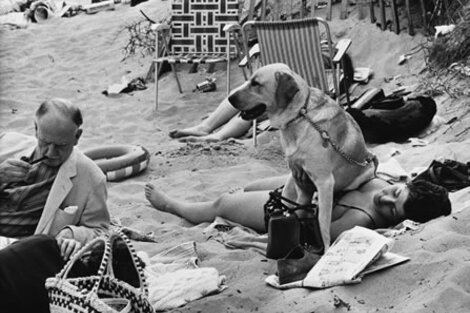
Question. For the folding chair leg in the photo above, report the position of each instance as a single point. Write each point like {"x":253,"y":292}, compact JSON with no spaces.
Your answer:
{"x":372,"y":11}
{"x":411,"y":30}
{"x":328,"y":11}
{"x":228,"y":76}
{"x":395,"y":21}
{"x":344,"y":10}
{"x":156,"y":87}
{"x":254,"y":133}
{"x":383,"y":21}
{"x":173,"y":68}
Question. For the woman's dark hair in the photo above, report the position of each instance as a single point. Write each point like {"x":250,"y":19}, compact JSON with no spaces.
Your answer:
{"x":426,"y":201}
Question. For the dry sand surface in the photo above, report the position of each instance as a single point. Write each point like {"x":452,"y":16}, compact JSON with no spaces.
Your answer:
{"x":79,"y":57}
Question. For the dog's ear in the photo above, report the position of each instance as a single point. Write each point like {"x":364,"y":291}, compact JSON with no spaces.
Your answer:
{"x":286,"y":89}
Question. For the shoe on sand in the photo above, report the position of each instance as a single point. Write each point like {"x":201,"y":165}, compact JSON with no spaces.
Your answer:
{"x":296,"y":265}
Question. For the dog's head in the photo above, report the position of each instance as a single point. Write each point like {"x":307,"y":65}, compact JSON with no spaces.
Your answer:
{"x":271,"y":88}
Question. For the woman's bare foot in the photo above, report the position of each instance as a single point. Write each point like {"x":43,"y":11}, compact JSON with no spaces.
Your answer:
{"x":159,"y":200}
{"x":196,"y":131}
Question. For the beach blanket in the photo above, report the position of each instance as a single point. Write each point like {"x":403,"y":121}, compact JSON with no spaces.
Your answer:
{"x":175,"y":278}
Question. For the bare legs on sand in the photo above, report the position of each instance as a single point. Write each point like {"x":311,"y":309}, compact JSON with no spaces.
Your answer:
{"x":245,"y":208}
{"x":224,"y":117}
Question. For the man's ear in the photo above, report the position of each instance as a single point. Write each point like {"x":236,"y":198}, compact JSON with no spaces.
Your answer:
{"x":78,"y":133}
{"x":286,"y":89}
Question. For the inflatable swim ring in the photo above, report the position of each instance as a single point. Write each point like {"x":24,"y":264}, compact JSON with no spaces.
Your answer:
{"x":119,"y":161}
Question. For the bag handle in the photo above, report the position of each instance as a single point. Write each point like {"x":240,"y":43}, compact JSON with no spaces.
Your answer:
{"x":63,"y":274}
{"x":118,"y":234}
{"x":114,"y":235}
{"x":280,"y":198}
{"x":106,"y":261}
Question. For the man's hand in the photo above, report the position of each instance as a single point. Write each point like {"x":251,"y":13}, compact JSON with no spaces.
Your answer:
{"x":67,"y":244}
{"x":13,"y":170}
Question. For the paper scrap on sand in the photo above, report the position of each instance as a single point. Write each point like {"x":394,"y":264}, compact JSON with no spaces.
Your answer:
{"x":356,"y":252}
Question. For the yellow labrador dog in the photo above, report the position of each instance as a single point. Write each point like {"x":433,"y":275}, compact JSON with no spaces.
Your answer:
{"x":323,"y":144}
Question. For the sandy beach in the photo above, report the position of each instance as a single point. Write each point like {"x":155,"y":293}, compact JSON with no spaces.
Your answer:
{"x":79,"y":57}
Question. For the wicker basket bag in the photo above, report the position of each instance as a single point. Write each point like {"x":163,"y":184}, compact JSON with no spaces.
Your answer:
{"x":100,"y":293}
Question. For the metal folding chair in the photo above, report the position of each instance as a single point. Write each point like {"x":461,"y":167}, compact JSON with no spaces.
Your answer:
{"x":200,"y":32}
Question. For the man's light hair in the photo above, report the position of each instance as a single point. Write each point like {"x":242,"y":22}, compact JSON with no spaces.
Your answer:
{"x":62,"y":106}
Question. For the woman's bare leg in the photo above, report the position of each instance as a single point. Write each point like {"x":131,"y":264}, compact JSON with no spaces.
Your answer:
{"x":223,"y":113}
{"x":269,"y":183}
{"x":234,"y":128}
{"x":245,"y":208}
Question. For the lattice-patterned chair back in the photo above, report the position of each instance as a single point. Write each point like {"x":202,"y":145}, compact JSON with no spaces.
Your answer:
{"x":200,"y":32}
{"x":197,"y":25}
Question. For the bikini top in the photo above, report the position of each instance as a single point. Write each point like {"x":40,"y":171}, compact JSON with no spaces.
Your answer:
{"x":361,"y":209}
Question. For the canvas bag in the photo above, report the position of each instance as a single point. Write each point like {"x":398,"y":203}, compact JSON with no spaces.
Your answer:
{"x":102,"y":292}
{"x":450,"y":174}
{"x":287,"y":229}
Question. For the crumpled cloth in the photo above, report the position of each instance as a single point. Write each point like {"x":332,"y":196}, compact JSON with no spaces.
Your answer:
{"x":236,"y":236}
{"x":174,"y":277}
{"x":15,"y":19}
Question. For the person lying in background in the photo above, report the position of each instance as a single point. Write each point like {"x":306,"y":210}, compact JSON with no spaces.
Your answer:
{"x":221,"y":124}
{"x":376,"y":204}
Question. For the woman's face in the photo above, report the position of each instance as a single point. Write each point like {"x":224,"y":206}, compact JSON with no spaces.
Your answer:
{"x":389,"y":202}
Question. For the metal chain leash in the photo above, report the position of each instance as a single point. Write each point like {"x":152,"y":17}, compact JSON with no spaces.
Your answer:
{"x":326,"y":138}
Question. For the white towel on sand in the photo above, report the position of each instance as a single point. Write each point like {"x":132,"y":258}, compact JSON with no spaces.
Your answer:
{"x":174,"y":277}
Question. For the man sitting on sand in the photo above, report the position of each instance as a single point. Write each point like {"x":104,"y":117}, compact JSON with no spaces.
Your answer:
{"x":53,"y":188}
{"x":376,"y":204}
{"x":52,"y":191}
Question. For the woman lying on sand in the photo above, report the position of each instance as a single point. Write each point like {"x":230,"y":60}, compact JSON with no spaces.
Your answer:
{"x":221,"y":124}
{"x":376,"y":204}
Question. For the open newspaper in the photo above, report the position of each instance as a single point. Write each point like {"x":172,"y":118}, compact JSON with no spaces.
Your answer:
{"x":356,"y":252}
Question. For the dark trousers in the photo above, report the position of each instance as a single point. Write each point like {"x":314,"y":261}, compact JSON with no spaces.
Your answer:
{"x":24,"y":267}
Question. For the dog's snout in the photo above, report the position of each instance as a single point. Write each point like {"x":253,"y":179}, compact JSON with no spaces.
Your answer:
{"x":233,"y":99}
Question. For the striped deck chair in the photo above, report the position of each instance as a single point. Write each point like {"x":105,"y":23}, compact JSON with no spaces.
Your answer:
{"x":298,"y":43}
{"x":200,"y":32}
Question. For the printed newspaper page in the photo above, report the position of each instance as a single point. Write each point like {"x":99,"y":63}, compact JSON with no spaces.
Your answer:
{"x":349,"y":255}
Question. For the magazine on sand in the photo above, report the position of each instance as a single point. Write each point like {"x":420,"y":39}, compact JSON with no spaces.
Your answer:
{"x":355,"y":253}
